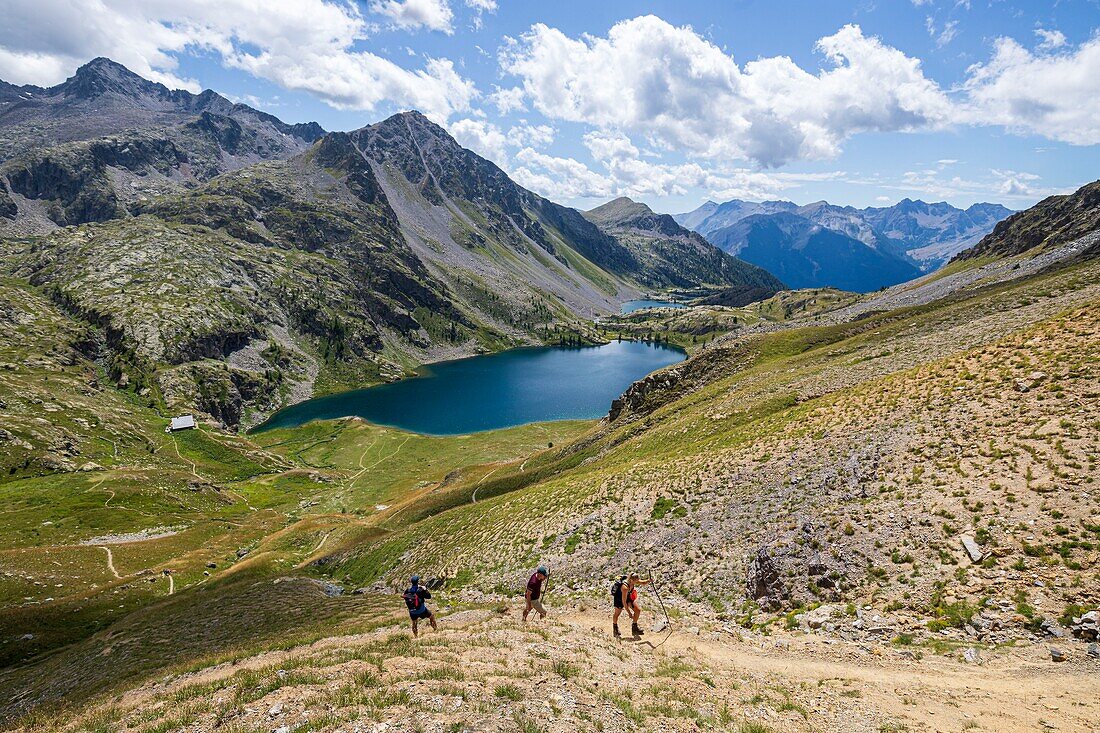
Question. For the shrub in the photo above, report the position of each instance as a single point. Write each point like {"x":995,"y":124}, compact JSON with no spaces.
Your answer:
{"x":508,"y":692}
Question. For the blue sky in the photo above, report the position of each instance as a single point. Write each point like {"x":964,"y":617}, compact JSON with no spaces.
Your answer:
{"x":671,"y":103}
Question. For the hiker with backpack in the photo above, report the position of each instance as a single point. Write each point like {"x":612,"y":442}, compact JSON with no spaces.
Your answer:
{"x":624,"y":594}
{"x":534,"y":592}
{"x":414,"y":600}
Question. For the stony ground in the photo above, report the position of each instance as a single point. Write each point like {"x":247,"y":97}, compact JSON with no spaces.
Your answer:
{"x":486,"y":671}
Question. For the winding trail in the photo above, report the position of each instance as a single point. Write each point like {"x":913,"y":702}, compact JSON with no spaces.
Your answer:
{"x":391,"y":455}
{"x":321,"y":543}
{"x":362,"y":466}
{"x":194,"y":466}
{"x":473,"y":496}
{"x":171,"y":584}
{"x":195,"y":473}
{"x":242,"y":497}
{"x":1011,"y":692}
{"x":96,"y":486}
{"x":110,"y":561}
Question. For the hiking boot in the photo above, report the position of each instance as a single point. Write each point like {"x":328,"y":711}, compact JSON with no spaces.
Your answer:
{"x":615,"y":630}
{"x":636,"y":630}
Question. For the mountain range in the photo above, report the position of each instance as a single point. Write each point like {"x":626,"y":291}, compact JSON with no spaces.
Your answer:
{"x":821,"y":244}
{"x":234,"y":262}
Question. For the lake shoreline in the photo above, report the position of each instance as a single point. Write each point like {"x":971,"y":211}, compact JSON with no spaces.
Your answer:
{"x":522,"y":385}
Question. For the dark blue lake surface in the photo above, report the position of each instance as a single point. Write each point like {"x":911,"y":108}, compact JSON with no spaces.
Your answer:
{"x":636,"y":305}
{"x":500,"y":390}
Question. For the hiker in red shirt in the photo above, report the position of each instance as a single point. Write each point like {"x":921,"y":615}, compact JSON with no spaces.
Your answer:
{"x":624,"y":595}
{"x":534,"y":593}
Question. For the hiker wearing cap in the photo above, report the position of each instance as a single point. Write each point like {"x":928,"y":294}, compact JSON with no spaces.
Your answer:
{"x":624,"y":594}
{"x":414,"y":599}
{"x":534,"y":592}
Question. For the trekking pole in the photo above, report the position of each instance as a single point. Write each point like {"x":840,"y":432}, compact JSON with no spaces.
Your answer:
{"x":668,"y":621}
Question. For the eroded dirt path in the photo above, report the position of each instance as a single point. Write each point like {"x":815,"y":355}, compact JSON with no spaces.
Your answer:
{"x":511,"y":671}
{"x":1017,"y":690}
{"x":110,"y":561}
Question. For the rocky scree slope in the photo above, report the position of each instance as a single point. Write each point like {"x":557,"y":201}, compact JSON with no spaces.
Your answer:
{"x":477,"y":230}
{"x":1053,"y":221}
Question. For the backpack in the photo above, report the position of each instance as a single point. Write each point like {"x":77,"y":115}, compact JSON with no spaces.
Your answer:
{"x":617,"y":589}
{"x":412,"y":599}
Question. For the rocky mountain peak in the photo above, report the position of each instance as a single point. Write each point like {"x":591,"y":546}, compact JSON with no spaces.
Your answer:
{"x":102,"y":76}
{"x":625,"y":213}
{"x":621,"y":210}
{"x":410,"y":122}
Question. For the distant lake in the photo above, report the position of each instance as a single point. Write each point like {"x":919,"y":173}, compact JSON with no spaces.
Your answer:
{"x":636,"y":305}
{"x":499,"y":390}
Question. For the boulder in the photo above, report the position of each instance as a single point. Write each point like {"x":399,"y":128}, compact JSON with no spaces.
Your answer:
{"x":1057,"y":655}
{"x":972,"y":548}
{"x":1087,"y":626}
{"x":1051,"y":628}
{"x":820,"y":616}
{"x":331,"y":590}
{"x":763,"y":582}
{"x":971,"y":655}
{"x":1094,"y":650}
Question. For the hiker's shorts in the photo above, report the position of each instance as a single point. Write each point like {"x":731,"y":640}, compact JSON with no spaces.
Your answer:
{"x":422,"y":613}
{"x":537,"y":605}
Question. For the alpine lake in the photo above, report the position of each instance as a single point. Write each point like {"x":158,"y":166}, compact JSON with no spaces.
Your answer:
{"x":513,"y":387}
{"x":636,"y":305}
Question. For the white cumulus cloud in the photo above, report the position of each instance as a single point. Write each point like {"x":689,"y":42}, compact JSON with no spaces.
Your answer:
{"x":536,"y":136}
{"x":560,"y":178}
{"x":682,"y":92}
{"x":1050,"y":39}
{"x":488,"y":140}
{"x":508,"y":100}
{"x":1052,"y":94}
{"x":625,"y":172}
{"x":435,"y":15}
{"x":306,"y":45}
{"x":482,"y":137}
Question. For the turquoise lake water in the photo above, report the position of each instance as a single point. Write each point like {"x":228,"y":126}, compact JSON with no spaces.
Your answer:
{"x":500,"y":390}
{"x":634,"y":305}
